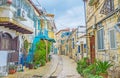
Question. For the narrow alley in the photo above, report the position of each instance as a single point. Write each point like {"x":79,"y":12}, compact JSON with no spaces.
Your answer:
{"x":59,"y":38}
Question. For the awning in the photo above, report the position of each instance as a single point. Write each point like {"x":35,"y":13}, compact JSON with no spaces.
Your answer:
{"x":13,"y":24}
{"x":51,"y":40}
{"x":47,"y":38}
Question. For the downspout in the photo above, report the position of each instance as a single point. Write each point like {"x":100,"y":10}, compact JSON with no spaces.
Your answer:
{"x":86,"y":26}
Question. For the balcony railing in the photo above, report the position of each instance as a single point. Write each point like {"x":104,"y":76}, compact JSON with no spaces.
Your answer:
{"x":13,"y":24}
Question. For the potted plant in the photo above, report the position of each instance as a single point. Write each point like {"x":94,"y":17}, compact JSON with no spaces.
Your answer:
{"x":30,"y":65}
{"x":12,"y":69}
{"x":102,"y":67}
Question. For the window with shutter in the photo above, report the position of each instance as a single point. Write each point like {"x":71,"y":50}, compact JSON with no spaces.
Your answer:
{"x":112,"y":38}
{"x":78,"y":49}
{"x":6,"y":41}
{"x":2,"y":2}
{"x":100,"y":39}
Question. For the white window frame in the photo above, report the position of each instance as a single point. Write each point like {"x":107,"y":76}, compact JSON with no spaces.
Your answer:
{"x":103,"y":39}
{"x":114,"y":37}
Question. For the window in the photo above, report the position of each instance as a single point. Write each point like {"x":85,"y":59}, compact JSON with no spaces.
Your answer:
{"x":112,"y":38}
{"x":2,"y":2}
{"x":6,"y":42}
{"x":73,"y":43}
{"x":14,"y":3}
{"x":100,"y":39}
{"x":18,"y":3}
{"x":78,"y":49}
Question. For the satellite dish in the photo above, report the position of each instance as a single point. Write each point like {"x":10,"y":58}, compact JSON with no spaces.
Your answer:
{"x":117,"y":26}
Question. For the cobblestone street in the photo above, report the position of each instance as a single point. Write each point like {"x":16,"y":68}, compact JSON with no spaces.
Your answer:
{"x":60,"y":67}
{"x":68,"y":68}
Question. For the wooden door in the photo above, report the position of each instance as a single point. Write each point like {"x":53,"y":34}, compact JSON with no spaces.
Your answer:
{"x":92,"y":49}
{"x":14,"y":57}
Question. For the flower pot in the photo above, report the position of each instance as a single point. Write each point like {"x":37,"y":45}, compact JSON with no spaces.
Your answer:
{"x":9,"y":1}
{"x":31,"y":66}
{"x":12,"y":71}
{"x":104,"y":75}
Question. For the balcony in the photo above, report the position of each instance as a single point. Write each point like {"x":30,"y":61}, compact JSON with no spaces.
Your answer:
{"x":51,"y":34}
{"x":93,"y":2}
{"x":15,"y":25}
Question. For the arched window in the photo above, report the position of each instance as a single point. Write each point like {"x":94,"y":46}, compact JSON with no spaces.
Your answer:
{"x":6,"y":41}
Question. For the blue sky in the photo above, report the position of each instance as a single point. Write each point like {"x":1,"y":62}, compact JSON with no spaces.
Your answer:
{"x":68,"y":13}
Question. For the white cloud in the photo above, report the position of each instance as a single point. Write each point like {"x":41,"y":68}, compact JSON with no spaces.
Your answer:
{"x":72,"y":18}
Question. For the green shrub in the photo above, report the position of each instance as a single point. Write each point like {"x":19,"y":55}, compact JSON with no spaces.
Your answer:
{"x":26,"y":45}
{"x":40,"y":53}
{"x":92,"y":70}
{"x":42,"y":62}
{"x":81,"y":65}
{"x":102,"y":66}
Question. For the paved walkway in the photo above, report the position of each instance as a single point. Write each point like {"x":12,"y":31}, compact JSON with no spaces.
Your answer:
{"x":69,"y":68}
{"x":66,"y":68}
{"x":60,"y":66}
{"x":44,"y":71}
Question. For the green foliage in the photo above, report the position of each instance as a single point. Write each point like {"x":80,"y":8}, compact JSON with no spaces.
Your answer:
{"x":26,"y":45}
{"x":92,"y":70}
{"x":40,"y":53}
{"x":102,"y":66}
{"x":43,"y":62}
{"x":49,"y":45}
{"x":81,"y":65}
{"x":12,"y":67}
{"x":94,"y":76}
{"x":92,"y":2}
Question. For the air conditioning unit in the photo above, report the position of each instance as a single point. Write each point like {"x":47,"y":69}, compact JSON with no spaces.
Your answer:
{"x":21,"y":14}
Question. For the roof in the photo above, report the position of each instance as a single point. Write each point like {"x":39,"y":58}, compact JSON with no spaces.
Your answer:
{"x":67,"y":29}
{"x":50,"y":15}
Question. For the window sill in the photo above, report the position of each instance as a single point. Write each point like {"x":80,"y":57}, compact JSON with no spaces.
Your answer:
{"x":101,"y":50}
{"x":113,"y":48}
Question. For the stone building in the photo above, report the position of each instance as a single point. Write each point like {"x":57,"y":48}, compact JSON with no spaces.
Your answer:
{"x":16,"y":25}
{"x":61,"y":37}
{"x":103,"y":35}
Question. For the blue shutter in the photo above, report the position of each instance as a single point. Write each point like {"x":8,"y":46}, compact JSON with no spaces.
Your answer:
{"x":38,"y":24}
{"x":100,"y":39}
{"x":112,"y":39}
{"x":85,"y":45}
{"x":78,"y":49}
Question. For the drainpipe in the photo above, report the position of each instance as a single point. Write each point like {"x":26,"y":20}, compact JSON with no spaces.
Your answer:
{"x":86,"y":26}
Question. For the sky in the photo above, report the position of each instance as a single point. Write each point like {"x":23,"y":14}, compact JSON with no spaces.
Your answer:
{"x":68,"y":13}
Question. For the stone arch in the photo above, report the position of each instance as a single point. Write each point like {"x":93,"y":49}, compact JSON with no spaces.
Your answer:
{"x":7,"y":35}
